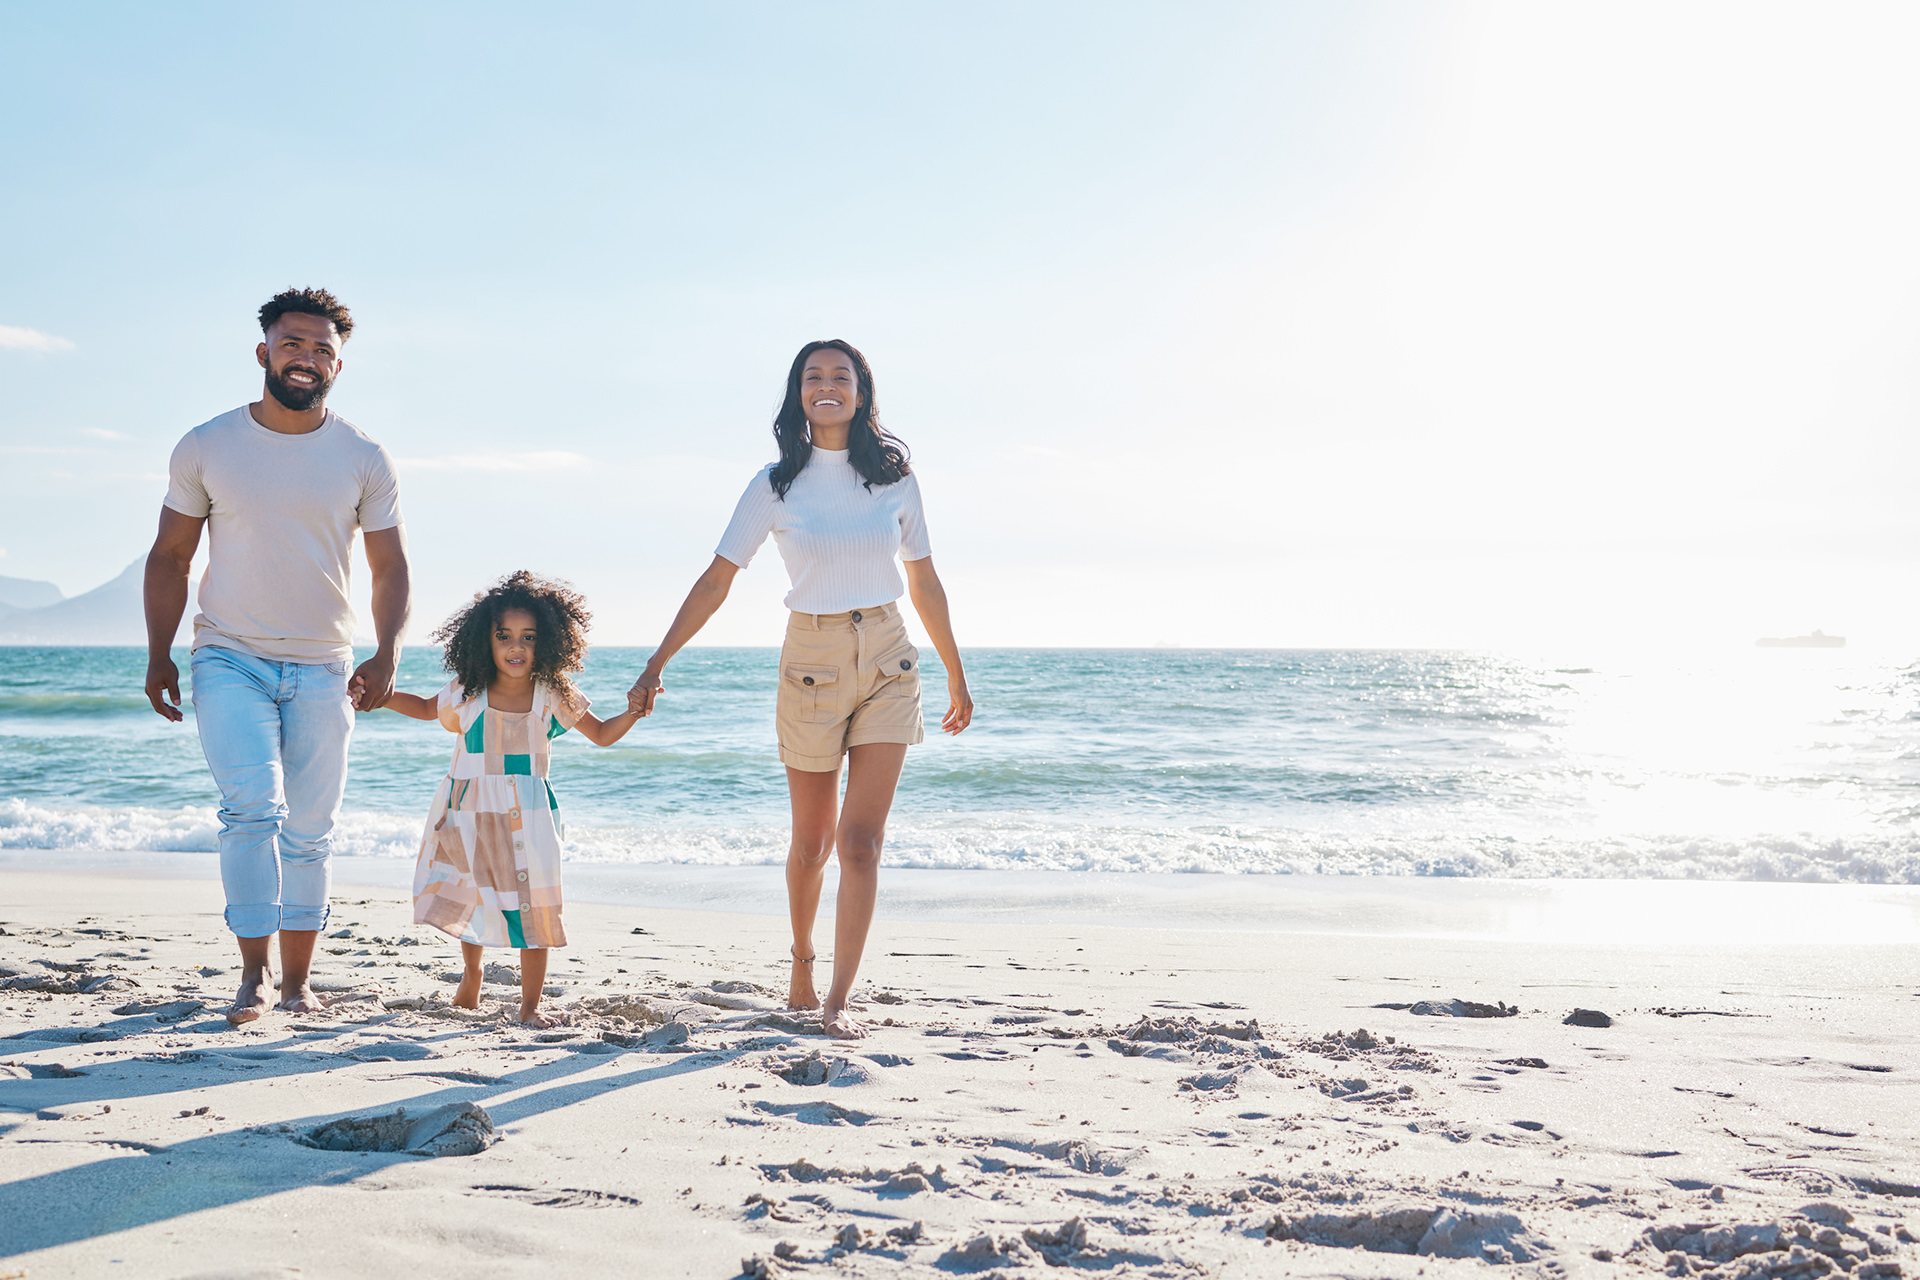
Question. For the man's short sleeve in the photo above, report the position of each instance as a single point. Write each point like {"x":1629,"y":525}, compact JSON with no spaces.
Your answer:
{"x":186,"y":484}
{"x":379,"y":494}
{"x":752,"y":521}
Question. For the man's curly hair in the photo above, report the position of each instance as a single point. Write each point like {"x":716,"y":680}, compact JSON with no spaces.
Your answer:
{"x":560,"y":620}
{"x":307,"y":302}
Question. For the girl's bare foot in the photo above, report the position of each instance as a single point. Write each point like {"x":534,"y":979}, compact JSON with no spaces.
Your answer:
{"x":467,"y":994}
{"x":800,"y":993}
{"x":251,"y":1000}
{"x":841,"y":1024}
{"x":532,"y":1017}
{"x":300,"y":999}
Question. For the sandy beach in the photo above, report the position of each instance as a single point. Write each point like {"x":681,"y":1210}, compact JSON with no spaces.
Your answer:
{"x":1125,"y":1100}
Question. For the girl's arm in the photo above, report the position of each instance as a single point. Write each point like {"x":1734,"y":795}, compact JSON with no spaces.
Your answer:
{"x":604,"y":733}
{"x":412,"y":704}
{"x":708,"y":593}
{"x":930,"y":602}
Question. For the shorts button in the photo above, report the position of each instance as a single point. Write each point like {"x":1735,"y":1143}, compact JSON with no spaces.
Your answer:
{"x":806,"y":679}
{"x":905,"y":665}
{"x":856,"y":615}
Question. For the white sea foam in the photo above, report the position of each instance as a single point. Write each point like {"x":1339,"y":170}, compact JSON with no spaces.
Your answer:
{"x":187,"y":829}
{"x":1008,"y":843}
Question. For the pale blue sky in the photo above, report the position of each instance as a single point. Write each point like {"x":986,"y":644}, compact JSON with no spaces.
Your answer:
{"x":1209,"y":323}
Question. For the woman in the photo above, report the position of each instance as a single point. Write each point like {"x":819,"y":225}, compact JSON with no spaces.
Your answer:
{"x":840,"y":503}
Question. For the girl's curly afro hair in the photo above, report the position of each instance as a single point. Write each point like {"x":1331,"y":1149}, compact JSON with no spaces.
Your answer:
{"x":560,"y":623}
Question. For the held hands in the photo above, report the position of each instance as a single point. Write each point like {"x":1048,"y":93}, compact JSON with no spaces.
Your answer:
{"x":372,"y":684}
{"x":164,"y":677}
{"x":960,"y":705}
{"x":645,"y":690}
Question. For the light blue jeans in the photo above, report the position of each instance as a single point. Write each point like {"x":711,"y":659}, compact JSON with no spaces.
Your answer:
{"x":275,"y":735}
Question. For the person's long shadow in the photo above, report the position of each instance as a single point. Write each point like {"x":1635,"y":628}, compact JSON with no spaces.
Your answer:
{"x":123,"y":1192}
{"x":166,"y":1070}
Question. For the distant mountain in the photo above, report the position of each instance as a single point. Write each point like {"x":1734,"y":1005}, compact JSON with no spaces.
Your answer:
{"x":25,"y":593}
{"x":112,"y":614}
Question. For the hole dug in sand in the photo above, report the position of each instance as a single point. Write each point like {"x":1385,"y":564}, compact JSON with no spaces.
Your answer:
{"x":457,"y":1129}
{"x":1497,"y":1238}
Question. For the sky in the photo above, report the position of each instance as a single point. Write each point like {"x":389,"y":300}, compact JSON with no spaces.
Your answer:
{"x":1503,"y":326}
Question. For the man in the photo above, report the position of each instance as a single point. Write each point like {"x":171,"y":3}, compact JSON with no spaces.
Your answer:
{"x":280,"y":485}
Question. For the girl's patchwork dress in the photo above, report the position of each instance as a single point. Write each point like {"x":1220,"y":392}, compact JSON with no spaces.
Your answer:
{"x":489,"y":868}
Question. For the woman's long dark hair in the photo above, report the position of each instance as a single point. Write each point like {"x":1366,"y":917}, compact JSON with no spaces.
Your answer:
{"x":878,"y":455}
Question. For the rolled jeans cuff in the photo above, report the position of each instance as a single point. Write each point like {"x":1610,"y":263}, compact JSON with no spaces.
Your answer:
{"x":260,"y":920}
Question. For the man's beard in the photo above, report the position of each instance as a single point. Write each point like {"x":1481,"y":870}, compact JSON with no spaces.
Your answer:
{"x":295,"y":397}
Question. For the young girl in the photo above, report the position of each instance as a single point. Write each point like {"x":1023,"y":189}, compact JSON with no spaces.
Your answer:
{"x":489,"y":869}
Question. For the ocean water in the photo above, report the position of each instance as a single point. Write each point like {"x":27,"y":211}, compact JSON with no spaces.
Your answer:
{"x":1744,"y":765}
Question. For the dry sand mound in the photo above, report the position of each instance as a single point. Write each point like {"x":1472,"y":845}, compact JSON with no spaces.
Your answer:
{"x":1428,"y":1231}
{"x":1817,"y":1240}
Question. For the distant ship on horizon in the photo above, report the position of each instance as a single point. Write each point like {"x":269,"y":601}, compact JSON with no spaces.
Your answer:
{"x":1818,"y":640}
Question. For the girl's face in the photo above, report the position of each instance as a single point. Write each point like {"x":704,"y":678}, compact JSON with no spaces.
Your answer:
{"x":513,"y":636}
{"x":829,"y":388}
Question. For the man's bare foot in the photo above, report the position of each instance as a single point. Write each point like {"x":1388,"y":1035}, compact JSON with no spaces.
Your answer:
{"x":800,"y":993}
{"x":534,"y":1018}
{"x":251,"y":1001}
{"x":300,"y":999}
{"x":840,"y":1024}
{"x":467,"y":994}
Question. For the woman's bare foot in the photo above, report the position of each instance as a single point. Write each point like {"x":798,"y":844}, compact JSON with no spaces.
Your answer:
{"x":467,"y":994}
{"x":840,"y":1024}
{"x":251,"y":1000}
{"x":800,"y":993}
{"x":532,"y":1017}
{"x":300,"y":999}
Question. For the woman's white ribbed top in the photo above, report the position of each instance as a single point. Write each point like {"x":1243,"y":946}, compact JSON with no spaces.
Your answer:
{"x":837,"y":537}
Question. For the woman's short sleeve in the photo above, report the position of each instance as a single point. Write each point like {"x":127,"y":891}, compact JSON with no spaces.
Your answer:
{"x":752,"y":520}
{"x":914,"y":543}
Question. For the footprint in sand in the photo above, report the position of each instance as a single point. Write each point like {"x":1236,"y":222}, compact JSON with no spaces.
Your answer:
{"x":457,"y":1129}
{"x":392,"y":1051}
{"x":825,"y":1113}
{"x":816,"y":1070}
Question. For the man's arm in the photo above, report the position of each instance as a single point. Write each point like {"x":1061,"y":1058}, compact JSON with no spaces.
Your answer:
{"x":372,"y":683}
{"x":165,"y":595}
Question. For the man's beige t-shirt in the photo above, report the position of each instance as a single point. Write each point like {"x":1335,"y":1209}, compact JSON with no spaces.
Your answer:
{"x":281,"y":511}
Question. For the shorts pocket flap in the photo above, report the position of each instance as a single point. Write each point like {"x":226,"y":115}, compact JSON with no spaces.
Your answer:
{"x":898,"y":661}
{"x":812,"y":677}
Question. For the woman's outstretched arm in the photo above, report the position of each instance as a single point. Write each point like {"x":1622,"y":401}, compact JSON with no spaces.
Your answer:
{"x":708,"y":594}
{"x":930,"y":602}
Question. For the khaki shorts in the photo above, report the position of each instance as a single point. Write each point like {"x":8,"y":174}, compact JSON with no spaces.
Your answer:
{"x":846,"y":679}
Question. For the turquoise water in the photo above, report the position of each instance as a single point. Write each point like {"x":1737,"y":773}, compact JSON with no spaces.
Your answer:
{"x":1751,"y":765}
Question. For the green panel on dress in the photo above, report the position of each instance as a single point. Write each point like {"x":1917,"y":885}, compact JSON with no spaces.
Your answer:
{"x":554,"y":728}
{"x":553,"y":801}
{"x":514,"y":937}
{"x":518,"y":764}
{"x":477,"y":735}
